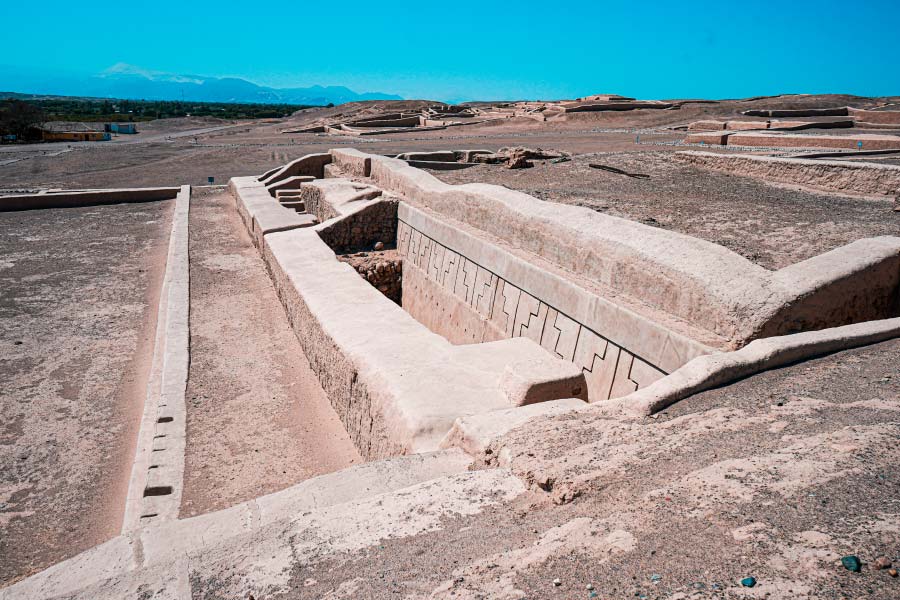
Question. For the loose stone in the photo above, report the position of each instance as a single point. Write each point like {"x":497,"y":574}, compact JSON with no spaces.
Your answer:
{"x":852,"y":563}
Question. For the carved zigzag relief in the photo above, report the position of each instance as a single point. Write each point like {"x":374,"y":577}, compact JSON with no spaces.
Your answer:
{"x":610,"y":370}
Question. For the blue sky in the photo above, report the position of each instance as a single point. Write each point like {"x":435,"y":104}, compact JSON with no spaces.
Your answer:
{"x":489,"y":50}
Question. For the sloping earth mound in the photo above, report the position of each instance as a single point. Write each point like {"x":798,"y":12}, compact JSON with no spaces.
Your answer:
{"x":774,"y":478}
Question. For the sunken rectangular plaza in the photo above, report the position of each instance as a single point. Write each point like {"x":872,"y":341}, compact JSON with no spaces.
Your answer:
{"x":599,"y":347}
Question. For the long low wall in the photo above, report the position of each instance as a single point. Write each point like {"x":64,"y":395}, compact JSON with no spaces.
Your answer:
{"x":831,"y":175}
{"x":157,"y":474}
{"x":780,"y":140}
{"x":263,"y":214}
{"x":396,"y":386}
{"x":884,"y":117}
{"x":842,"y":111}
{"x":472,"y":291}
{"x":613,"y":106}
{"x":73,"y":198}
{"x":732,"y":126}
{"x":694,"y":287}
{"x":770,"y":140}
{"x":383,"y":123}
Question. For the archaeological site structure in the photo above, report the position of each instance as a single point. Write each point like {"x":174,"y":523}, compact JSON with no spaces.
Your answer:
{"x":520,"y":388}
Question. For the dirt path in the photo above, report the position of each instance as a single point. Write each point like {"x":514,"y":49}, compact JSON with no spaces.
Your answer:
{"x":78,"y":298}
{"x":258,"y":421}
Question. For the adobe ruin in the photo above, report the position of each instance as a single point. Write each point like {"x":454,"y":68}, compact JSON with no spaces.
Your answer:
{"x":490,"y":354}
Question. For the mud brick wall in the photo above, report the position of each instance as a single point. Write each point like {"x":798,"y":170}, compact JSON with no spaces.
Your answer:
{"x":454,"y":293}
{"x":384,"y":270}
{"x":363,"y":229}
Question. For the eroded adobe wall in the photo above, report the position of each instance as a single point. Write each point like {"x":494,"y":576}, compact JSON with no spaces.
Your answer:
{"x":363,"y":229}
{"x":357,"y":408}
{"x":883,"y":117}
{"x":846,"y":142}
{"x":470,"y":293}
{"x":857,"y":178}
{"x":383,"y":269}
{"x":631,"y":274}
{"x":436,"y":305}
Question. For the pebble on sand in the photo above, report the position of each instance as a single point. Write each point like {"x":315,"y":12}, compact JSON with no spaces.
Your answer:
{"x":852,"y":563}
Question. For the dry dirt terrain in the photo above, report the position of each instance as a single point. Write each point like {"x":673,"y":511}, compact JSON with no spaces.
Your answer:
{"x":758,"y":479}
{"x":775,"y":477}
{"x":258,"y":420}
{"x":78,"y":299}
{"x":188,"y":151}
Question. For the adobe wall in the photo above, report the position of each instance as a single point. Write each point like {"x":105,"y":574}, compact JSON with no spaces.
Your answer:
{"x":381,"y":117}
{"x":396,"y":122}
{"x":376,"y":222}
{"x":615,"y":106}
{"x":397,"y":387}
{"x":438,"y":309}
{"x":709,"y":125}
{"x":309,"y":165}
{"x":735,"y":137}
{"x":689,"y":286}
{"x":73,"y":198}
{"x":849,"y":142}
{"x":471,"y":291}
{"x":887,"y":117}
{"x":799,"y":112}
{"x":831,"y":175}
{"x":713,"y":138}
{"x":636,"y":260}
{"x":336,"y":372}
{"x":261,"y":213}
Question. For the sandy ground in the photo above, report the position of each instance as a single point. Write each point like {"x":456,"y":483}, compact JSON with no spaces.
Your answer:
{"x":258,"y":421}
{"x":237,"y":152}
{"x":758,"y":479}
{"x":188,"y":151}
{"x":771,"y":225}
{"x":774,"y":477}
{"x":78,"y":299}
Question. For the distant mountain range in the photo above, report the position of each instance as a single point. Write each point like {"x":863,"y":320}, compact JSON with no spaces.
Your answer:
{"x":133,"y":83}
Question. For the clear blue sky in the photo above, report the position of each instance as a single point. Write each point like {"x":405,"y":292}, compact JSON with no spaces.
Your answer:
{"x":647,"y":49}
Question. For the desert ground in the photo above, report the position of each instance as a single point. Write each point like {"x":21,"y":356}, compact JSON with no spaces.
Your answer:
{"x":774,"y":476}
{"x":188,"y":151}
{"x":80,"y":290}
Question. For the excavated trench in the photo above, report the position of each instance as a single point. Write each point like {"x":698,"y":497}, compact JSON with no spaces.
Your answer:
{"x":455,"y":285}
{"x":257,"y":418}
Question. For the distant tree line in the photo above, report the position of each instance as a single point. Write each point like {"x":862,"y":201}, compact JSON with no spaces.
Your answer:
{"x":20,"y":118}
{"x":17,"y":116}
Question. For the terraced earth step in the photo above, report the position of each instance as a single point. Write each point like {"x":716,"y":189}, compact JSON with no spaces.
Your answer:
{"x":159,"y":546}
